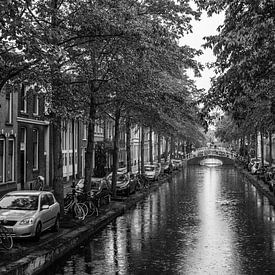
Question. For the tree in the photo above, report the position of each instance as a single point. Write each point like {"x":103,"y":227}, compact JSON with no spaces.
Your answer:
{"x":245,"y":49}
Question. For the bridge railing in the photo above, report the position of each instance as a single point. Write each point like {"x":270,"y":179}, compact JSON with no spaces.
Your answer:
{"x":206,"y":151}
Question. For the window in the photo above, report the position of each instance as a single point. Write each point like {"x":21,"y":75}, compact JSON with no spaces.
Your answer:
{"x":9,"y":100}
{"x":85,"y":132}
{"x":50,"y":199}
{"x":44,"y":200}
{"x":23,"y":106}
{"x":2,"y":160}
{"x":35,"y":149}
{"x":35,"y":105}
{"x":10,"y":160}
{"x":23,"y":138}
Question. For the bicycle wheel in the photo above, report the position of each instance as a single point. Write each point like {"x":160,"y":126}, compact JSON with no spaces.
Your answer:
{"x":6,"y":238}
{"x":92,"y":208}
{"x":68,"y":200}
{"x":85,"y":207}
{"x":78,"y":211}
{"x":68,"y":206}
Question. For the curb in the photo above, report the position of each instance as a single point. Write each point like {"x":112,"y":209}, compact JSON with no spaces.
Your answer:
{"x":44,"y":255}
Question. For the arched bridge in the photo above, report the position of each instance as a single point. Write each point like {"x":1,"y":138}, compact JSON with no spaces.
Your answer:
{"x":221,"y":153}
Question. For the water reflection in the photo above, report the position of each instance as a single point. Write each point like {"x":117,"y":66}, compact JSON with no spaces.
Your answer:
{"x":211,"y":162}
{"x":206,"y":221}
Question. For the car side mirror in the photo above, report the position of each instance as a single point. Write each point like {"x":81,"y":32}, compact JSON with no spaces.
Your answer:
{"x":45,"y":206}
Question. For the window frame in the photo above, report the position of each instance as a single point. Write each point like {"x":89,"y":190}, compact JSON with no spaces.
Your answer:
{"x":11,"y":139}
{"x":35,"y":145}
{"x":23,"y":101}
{"x":9,"y":100}
{"x":2,"y":139}
{"x":35,"y":105}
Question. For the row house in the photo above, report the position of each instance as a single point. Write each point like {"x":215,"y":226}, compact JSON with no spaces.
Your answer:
{"x":33,"y":132}
{"x":26,"y":150}
{"x":8,"y":137}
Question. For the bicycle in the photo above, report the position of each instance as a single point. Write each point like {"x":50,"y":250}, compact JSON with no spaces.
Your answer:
{"x":71,"y":205}
{"x":6,"y":239}
{"x":88,"y":200}
{"x":143,"y":182}
{"x":80,"y":204}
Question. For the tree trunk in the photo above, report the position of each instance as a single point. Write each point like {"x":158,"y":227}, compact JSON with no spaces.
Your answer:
{"x":166,"y":148}
{"x":270,"y":148}
{"x":248,"y":147}
{"x":58,"y":164}
{"x":56,"y":101}
{"x":115,"y":154}
{"x":159,"y":147}
{"x":151,"y":146}
{"x":89,"y":161}
{"x":128,"y":144}
{"x":262,"y":148}
{"x":256,"y":145}
{"x":73,"y":145}
{"x":142,"y":150}
{"x":172,"y":147}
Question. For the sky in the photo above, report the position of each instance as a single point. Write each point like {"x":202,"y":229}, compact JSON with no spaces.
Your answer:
{"x":205,"y":27}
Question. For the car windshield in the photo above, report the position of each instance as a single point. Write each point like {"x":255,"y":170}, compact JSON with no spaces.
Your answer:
{"x":149,"y":168}
{"x":19,"y":202}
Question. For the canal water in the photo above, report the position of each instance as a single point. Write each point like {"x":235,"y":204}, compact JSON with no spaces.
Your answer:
{"x":207,"y":220}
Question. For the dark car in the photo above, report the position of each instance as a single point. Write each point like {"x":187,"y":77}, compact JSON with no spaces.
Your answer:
{"x":261,"y":172}
{"x":126,"y":182}
{"x":167,"y":167}
{"x":100,"y":191}
{"x":270,"y":173}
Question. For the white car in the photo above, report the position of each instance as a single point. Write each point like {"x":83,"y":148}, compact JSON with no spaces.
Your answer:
{"x":256,"y":165}
{"x":152,"y":171}
{"x":28,"y":213}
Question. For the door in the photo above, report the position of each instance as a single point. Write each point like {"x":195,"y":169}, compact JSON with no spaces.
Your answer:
{"x":45,"y":214}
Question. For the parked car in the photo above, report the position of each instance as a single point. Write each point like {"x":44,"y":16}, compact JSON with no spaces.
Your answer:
{"x":261,"y":172}
{"x":126,"y":183}
{"x":256,"y":165}
{"x":177,"y":163}
{"x":251,"y":163}
{"x":28,"y":213}
{"x":152,"y":171}
{"x":269,"y":174}
{"x":167,"y":167}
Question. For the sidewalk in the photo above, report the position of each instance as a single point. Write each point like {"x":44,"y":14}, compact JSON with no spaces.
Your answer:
{"x":29,"y":257}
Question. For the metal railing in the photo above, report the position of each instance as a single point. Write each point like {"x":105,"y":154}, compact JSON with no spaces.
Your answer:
{"x":206,"y":151}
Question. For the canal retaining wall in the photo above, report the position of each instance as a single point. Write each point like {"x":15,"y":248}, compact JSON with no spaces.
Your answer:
{"x":35,"y":258}
{"x":259,"y":184}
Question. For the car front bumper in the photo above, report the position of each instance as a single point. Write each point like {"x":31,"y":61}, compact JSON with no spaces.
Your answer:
{"x":22,"y":231}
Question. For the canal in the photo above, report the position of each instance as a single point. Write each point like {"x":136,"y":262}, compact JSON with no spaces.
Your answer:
{"x":207,"y":220}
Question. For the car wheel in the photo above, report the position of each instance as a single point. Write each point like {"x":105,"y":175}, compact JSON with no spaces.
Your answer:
{"x":56,"y":226}
{"x":38,"y":231}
